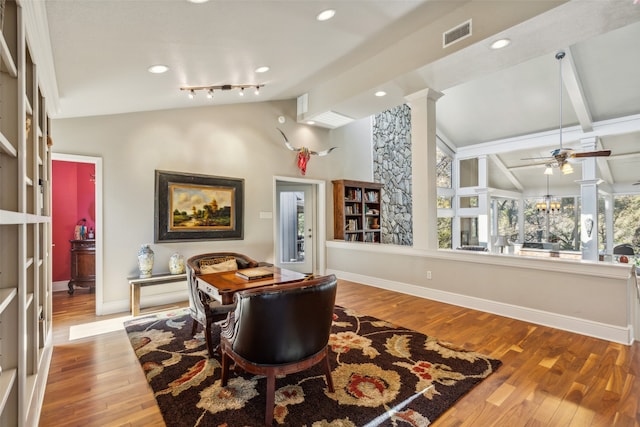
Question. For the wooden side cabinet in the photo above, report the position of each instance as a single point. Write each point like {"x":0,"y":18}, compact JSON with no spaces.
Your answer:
{"x":356,"y":211}
{"x":83,"y":265}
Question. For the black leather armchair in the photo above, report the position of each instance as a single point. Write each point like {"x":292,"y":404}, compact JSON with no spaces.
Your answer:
{"x":279,"y":330}
{"x":203,"y":309}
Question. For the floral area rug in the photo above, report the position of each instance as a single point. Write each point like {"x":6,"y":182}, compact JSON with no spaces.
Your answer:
{"x":384,"y":375}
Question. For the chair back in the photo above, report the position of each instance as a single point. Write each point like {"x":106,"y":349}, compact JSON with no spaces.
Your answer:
{"x":196,"y":307}
{"x":284,"y":323}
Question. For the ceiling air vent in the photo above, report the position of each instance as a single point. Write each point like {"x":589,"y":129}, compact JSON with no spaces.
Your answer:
{"x":456,"y":34}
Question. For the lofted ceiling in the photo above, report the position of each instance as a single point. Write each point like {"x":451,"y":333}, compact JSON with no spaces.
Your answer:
{"x":500,"y":103}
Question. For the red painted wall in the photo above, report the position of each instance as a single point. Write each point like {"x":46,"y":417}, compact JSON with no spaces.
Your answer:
{"x":73,"y":198}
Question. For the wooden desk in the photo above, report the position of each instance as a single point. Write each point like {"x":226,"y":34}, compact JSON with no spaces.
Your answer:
{"x":156,"y":279}
{"x":222,"y":286}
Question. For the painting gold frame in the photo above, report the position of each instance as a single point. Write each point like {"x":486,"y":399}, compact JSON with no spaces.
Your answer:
{"x":198,"y":207}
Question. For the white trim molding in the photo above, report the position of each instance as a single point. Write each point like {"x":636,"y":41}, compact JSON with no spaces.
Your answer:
{"x":622,"y":335}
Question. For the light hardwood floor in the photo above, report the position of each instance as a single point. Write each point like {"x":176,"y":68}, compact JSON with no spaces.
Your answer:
{"x":548,"y":378}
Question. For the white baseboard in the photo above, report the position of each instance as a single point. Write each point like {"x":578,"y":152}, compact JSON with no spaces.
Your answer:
{"x":622,"y":335}
{"x":145,"y":302}
{"x":60,"y":286}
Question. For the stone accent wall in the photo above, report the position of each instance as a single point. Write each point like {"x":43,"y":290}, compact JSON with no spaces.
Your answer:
{"x":392,"y":168}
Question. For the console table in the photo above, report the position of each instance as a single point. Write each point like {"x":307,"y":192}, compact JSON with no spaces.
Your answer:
{"x":156,"y":279}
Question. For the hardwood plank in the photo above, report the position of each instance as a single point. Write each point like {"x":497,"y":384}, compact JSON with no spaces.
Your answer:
{"x":548,"y":378}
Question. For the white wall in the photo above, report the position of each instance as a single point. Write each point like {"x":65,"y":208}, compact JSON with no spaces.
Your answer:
{"x":579,"y":296}
{"x":239,"y":141}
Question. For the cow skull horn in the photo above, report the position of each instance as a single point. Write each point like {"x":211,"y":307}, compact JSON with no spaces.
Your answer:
{"x":303,"y":154}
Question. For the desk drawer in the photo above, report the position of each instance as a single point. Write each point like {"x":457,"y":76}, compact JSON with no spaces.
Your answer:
{"x":209,"y":290}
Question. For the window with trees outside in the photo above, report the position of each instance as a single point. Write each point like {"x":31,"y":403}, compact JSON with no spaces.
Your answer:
{"x":506,"y":212}
{"x":626,"y":221}
{"x":444,"y":171}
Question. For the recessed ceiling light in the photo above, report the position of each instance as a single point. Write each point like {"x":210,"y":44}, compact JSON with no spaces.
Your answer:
{"x":198,"y":1}
{"x":380,"y":93}
{"x":325,"y":15}
{"x":158,"y":69}
{"x":311,"y":122}
{"x":499,"y":44}
{"x":262,"y":69}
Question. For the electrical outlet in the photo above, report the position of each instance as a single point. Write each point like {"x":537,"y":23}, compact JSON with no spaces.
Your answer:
{"x":429,"y":275}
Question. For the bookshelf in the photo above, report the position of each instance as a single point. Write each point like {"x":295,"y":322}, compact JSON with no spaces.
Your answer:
{"x":25,"y":226}
{"x":356,"y":211}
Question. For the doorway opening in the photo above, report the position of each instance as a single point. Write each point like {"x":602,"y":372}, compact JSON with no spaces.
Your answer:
{"x":83,"y":187}
{"x":299,"y":225}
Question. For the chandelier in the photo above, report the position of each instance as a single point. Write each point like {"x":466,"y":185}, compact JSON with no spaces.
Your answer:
{"x":548,"y":204}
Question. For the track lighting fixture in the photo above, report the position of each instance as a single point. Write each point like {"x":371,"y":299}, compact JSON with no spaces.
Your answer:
{"x":210,"y":89}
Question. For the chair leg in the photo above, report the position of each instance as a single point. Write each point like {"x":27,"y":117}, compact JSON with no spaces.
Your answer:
{"x":271,"y":397}
{"x":327,"y":373}
{"x":194,"y":326}
{"x":208,"y":339}
{"x":224,"y":377}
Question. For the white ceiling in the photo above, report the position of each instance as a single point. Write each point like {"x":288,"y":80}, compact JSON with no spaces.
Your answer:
{"x":493,"y":100}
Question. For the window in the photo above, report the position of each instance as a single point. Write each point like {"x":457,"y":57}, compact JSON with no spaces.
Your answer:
{"x":444,"y":171}
{"x":626,"y":221}
{"x":469,"y":231}
{"x":468,"y":201}
{"x":469,"y":173}
{"x":506,"y":211}
{"x":444,"y":233}
{"x":444,"y":202}
{"x":558,"y":227}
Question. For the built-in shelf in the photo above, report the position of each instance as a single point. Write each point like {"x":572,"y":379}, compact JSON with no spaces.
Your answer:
{"x":7,"y":381}
{"x":7,"y":59}
{"x":6,"y":296}
{"x":7,"y":147}
{"x":25,"y":300}
{"x":11,"y":217}
{"x":29,"y":299}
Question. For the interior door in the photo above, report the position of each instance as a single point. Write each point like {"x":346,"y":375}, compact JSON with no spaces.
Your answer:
{"x":295,"y":227}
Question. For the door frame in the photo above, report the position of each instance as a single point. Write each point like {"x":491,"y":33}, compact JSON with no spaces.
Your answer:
{"x":97,"y":162}
{"x":320,"y":223}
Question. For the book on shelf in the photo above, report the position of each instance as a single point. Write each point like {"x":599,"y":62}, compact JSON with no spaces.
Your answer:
{"x":352,"y":225}
{"x":254,"y":273}
{"x":371,"y":196}
{"x":353,"y":194}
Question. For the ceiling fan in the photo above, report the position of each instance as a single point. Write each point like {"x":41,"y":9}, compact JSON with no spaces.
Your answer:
{"x":560,"y":156}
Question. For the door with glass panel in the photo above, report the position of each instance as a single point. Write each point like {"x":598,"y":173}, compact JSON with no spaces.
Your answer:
{"x":295,"y":227}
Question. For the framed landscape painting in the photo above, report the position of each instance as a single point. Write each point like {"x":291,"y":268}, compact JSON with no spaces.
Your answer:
{"x":198,"y":207}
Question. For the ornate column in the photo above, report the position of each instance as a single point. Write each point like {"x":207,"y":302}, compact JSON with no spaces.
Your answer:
{"x":423,"y":158}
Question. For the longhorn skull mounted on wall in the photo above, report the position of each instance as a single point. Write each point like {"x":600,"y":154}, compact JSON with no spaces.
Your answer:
{"x":304,"y":154}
